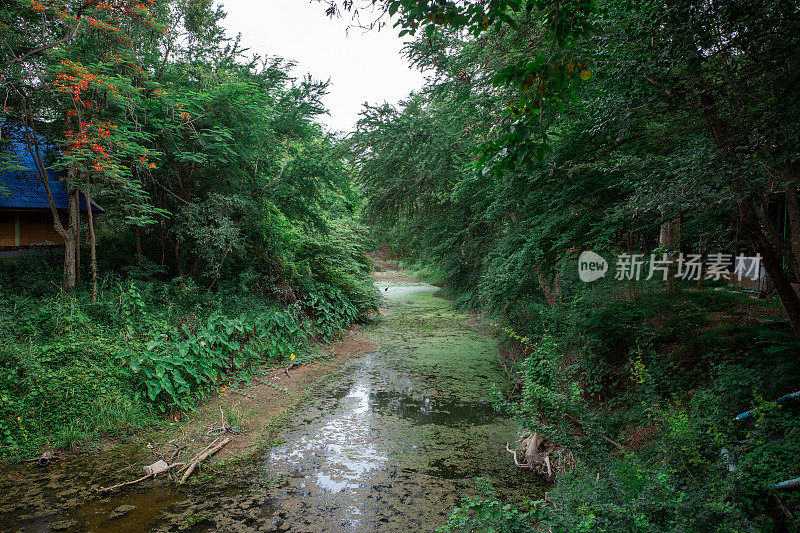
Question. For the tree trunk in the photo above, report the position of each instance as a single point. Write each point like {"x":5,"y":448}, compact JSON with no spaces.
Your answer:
{"x":545,"y":285}
{"x":670,"y":237}
{"x":138,"y":245}
{"x":177,"y":246}
{"x":701,"y":251}
{"x":772,"y":264}
{"x":793,"y":206}
{"x":786,"y":293}
{"x":558,"y":288}
{"x":755,"y":231}
{"x":77,"y":237}
{"x":70,"y":238}
{"x":66,"y":233}
{"x":163,"y":235}
{"x":92,"y":242}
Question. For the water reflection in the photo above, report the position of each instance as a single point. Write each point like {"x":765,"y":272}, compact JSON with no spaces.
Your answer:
{"x":341,"y":451}
{"x":400,"y":442}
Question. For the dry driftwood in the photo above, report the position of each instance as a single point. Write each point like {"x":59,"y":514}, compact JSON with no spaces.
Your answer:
{"x":152,"y":470}
{"x":209,"y":450}
{"x":43,"y":459}
{"x":223,"y":428}
{"x":161,"y":466}
{"x":208,"y":447}
{"x":547,"y":458}
{"x":541,"y":456}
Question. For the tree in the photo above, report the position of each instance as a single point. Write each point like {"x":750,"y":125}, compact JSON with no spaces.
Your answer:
{"x":74,"y":71}
{"x":690,"y":105}
{"x":724,"y":65}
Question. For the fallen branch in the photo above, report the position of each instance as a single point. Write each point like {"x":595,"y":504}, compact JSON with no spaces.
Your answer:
{"x":213,"y":442}
{"x":787,"y":513}
{"x":176,"y":452}
{"x":690,"y":474}
{"x":618,"y":445}
{"x":159,"y":467}
{"x":43,"y":459}
{"x":120,"y":485}
{"x":209,"y":451}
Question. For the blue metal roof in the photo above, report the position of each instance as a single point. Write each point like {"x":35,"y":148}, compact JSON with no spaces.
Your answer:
{"x":22,"y":188}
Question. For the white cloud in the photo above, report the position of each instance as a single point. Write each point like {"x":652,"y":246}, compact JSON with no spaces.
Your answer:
{"x":362,"y":66}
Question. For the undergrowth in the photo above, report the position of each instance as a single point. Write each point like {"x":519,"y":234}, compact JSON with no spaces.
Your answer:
{"x":71,"y":369}
{"x":664,"y":375}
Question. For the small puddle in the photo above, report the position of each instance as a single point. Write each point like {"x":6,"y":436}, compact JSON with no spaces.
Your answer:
{"x":390,"y":441}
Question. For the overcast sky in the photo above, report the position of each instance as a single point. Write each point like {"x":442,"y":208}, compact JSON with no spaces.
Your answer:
{"x":362,"y":67}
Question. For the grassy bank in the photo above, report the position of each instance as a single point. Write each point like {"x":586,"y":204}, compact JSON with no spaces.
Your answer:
{"x":663,"y":375}
{"x":73,"y":369}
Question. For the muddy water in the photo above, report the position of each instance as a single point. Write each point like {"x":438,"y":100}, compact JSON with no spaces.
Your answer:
{"x":390,"y":441}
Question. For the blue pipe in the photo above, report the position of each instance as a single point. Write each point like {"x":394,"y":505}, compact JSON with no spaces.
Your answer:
{"x":788,"y":484}
{"x":751,"y":412}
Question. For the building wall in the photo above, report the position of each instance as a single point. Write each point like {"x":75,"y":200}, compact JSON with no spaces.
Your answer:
{"x":7,"y":229}
{"x":37,"y":228}
{"x":24,"y":228}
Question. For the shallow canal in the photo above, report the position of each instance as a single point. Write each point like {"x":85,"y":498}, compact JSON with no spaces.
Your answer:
{"x":389,"y":442}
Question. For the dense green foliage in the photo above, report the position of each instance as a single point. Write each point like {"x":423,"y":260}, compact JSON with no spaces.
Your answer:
{"x":681,"y":118}
{"x":72,"y":368}
{"x":230,"y":236}
{"x":232,"y":231}
{"x":625,"y":369}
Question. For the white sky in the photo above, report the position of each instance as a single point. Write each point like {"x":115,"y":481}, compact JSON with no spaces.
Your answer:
{"x":362,"y":66}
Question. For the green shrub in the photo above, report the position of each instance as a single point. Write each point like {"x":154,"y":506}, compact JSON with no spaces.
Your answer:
{"x":72,"y":368}
{"x":491,"y":515}
{"x":657,"y":366}
{"x":72,"y":382}
{"x":177,"y":366}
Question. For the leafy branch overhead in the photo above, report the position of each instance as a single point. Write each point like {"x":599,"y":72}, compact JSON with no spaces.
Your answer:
{"x":541,"y":80}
